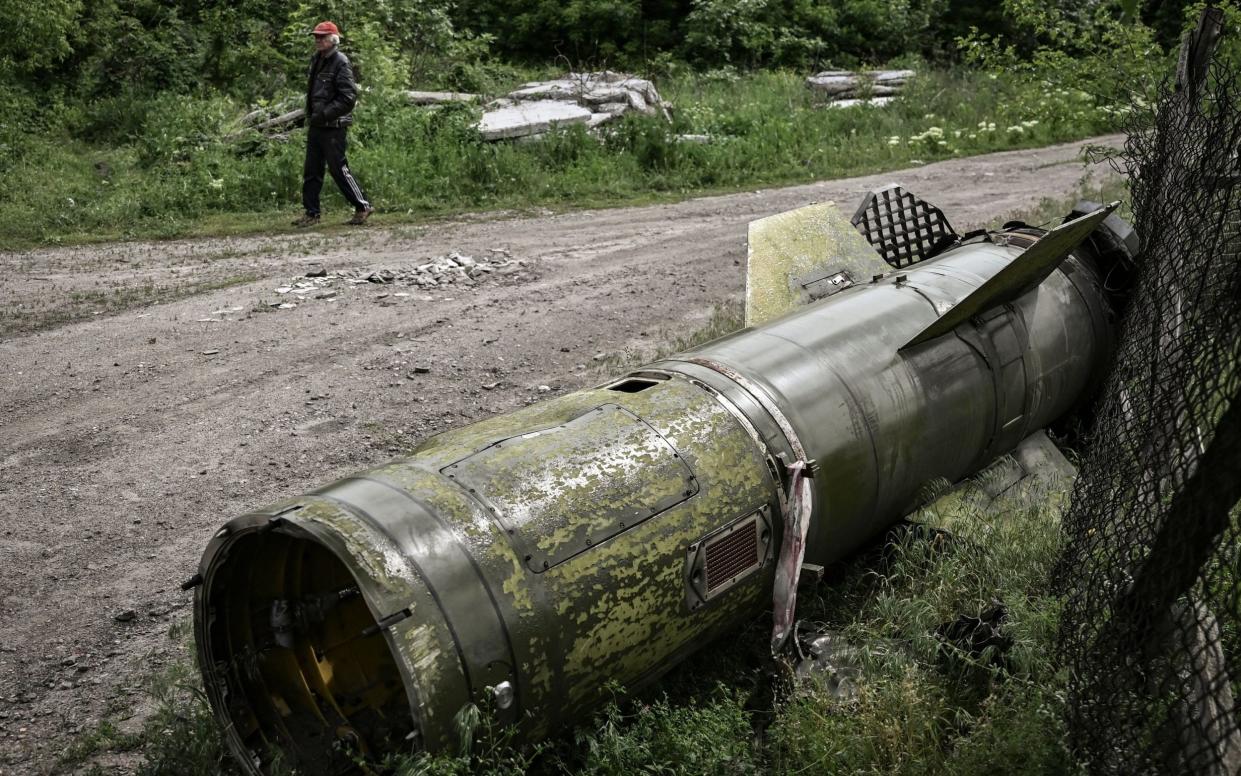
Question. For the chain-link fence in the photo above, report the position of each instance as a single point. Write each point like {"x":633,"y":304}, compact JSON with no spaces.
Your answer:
{"x":1151,"y":572}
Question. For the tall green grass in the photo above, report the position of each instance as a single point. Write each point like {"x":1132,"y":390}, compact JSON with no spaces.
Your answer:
{"x":170,"y":172}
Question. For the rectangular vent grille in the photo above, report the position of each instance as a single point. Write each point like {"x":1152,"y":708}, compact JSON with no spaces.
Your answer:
{"x":732,"y":554}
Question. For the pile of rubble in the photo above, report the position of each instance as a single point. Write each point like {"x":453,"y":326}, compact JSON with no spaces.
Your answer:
{"x":844,"y":88}
{"x":529,"y":110}
{"x":578,"y":98}
{"x":453,"y":269}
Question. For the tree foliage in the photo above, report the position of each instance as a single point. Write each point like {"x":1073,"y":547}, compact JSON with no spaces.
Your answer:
{"x":44,"y":33}
{"x":1097,"y":47}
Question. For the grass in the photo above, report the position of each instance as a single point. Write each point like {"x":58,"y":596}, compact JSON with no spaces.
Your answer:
{"x":179,"y":737}
{"x":178,"y":177}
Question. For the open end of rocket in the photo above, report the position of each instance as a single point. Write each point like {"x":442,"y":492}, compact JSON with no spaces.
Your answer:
{"x":293,"y":659}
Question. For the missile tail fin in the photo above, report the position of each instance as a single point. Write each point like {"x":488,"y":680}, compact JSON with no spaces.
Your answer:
{"x":803,"y":255}
{"x":1021,"y":274}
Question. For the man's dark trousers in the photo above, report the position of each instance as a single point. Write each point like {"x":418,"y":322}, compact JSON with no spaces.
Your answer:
{"x":327,"y":145}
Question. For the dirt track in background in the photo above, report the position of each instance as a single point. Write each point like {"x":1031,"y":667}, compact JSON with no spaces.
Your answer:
{"x":149,"y":392}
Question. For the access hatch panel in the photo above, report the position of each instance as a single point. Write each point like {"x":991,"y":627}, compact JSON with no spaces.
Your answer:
{"x":559,"y":491}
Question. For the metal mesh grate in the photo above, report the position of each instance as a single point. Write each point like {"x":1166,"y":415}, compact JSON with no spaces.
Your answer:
{"x":1151,"y":572}
{"x":902,"y":228}
{"x":732,"y":554}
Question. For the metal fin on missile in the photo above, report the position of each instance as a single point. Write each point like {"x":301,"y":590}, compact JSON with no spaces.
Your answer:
{"x":903,"y":228}
{"x":1019,"y":276}
{"x":801,"y":256}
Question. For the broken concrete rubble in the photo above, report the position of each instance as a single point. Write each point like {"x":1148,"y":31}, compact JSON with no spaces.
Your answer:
{"x":844,"y":88}
{"x":530,"y":119}
{"x":454,"y":268}
{"x":595,"y":99}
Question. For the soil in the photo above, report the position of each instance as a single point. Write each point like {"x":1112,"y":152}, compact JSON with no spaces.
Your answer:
{"x":149,"y":391}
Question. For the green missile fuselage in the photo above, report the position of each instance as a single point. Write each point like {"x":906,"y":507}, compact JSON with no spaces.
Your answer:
{"x":524,"y":563}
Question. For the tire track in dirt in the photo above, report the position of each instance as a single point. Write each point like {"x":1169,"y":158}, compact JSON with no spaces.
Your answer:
{"x":124,"y":445}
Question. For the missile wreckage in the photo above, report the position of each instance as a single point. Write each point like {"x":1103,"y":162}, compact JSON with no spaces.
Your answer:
{"x":524,"y":563}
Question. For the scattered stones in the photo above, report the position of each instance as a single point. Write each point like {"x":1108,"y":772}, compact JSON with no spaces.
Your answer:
{"x":210,"y":352}
{"x":454,"y":268}
{"x":126,"y":615}
{"x":422,"y":370}
{"x":490,"y":386}
{"x":317,"y":273}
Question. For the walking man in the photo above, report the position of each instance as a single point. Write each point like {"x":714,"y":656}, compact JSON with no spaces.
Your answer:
{"x":330,"y":96}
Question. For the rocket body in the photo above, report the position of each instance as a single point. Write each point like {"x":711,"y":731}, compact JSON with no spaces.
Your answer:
{"x":525,"y":562}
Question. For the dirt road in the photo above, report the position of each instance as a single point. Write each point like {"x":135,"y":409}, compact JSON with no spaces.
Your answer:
{"x":149,"y":391}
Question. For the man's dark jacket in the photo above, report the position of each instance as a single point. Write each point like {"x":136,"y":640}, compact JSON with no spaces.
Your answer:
{"x":331,"y":91}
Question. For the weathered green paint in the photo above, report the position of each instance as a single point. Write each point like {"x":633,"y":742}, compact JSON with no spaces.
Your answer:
{"x":788,"y":248}
{"x":536,"y":484}
{"x":679,"y":457}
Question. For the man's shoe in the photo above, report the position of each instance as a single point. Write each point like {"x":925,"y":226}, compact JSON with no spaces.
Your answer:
{"x":307,"y":220}
{"x":360,"y":216}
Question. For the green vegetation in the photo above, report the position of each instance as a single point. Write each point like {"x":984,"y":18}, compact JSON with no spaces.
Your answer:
{"x":766,"y":130}
{"x":123,"y":119}
{"x":179,"y":737}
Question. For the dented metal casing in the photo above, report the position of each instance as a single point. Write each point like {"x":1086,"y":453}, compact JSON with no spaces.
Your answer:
{"x":526,"y":562}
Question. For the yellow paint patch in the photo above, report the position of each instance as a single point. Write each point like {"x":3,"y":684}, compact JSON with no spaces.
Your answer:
{"x":788,"y":247}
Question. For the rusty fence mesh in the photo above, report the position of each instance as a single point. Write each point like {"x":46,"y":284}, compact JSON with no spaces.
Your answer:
{"x":1151,"y":570}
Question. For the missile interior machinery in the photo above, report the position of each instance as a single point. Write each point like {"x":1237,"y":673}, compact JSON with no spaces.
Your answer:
{"x":525,"y":562}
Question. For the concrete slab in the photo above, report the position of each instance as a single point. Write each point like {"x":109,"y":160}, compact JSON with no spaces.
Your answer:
{"x":530,"y":118}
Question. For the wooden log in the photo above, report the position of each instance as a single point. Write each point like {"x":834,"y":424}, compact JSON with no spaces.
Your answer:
{"x":439,"y":98}
{"x":283,"y":119}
